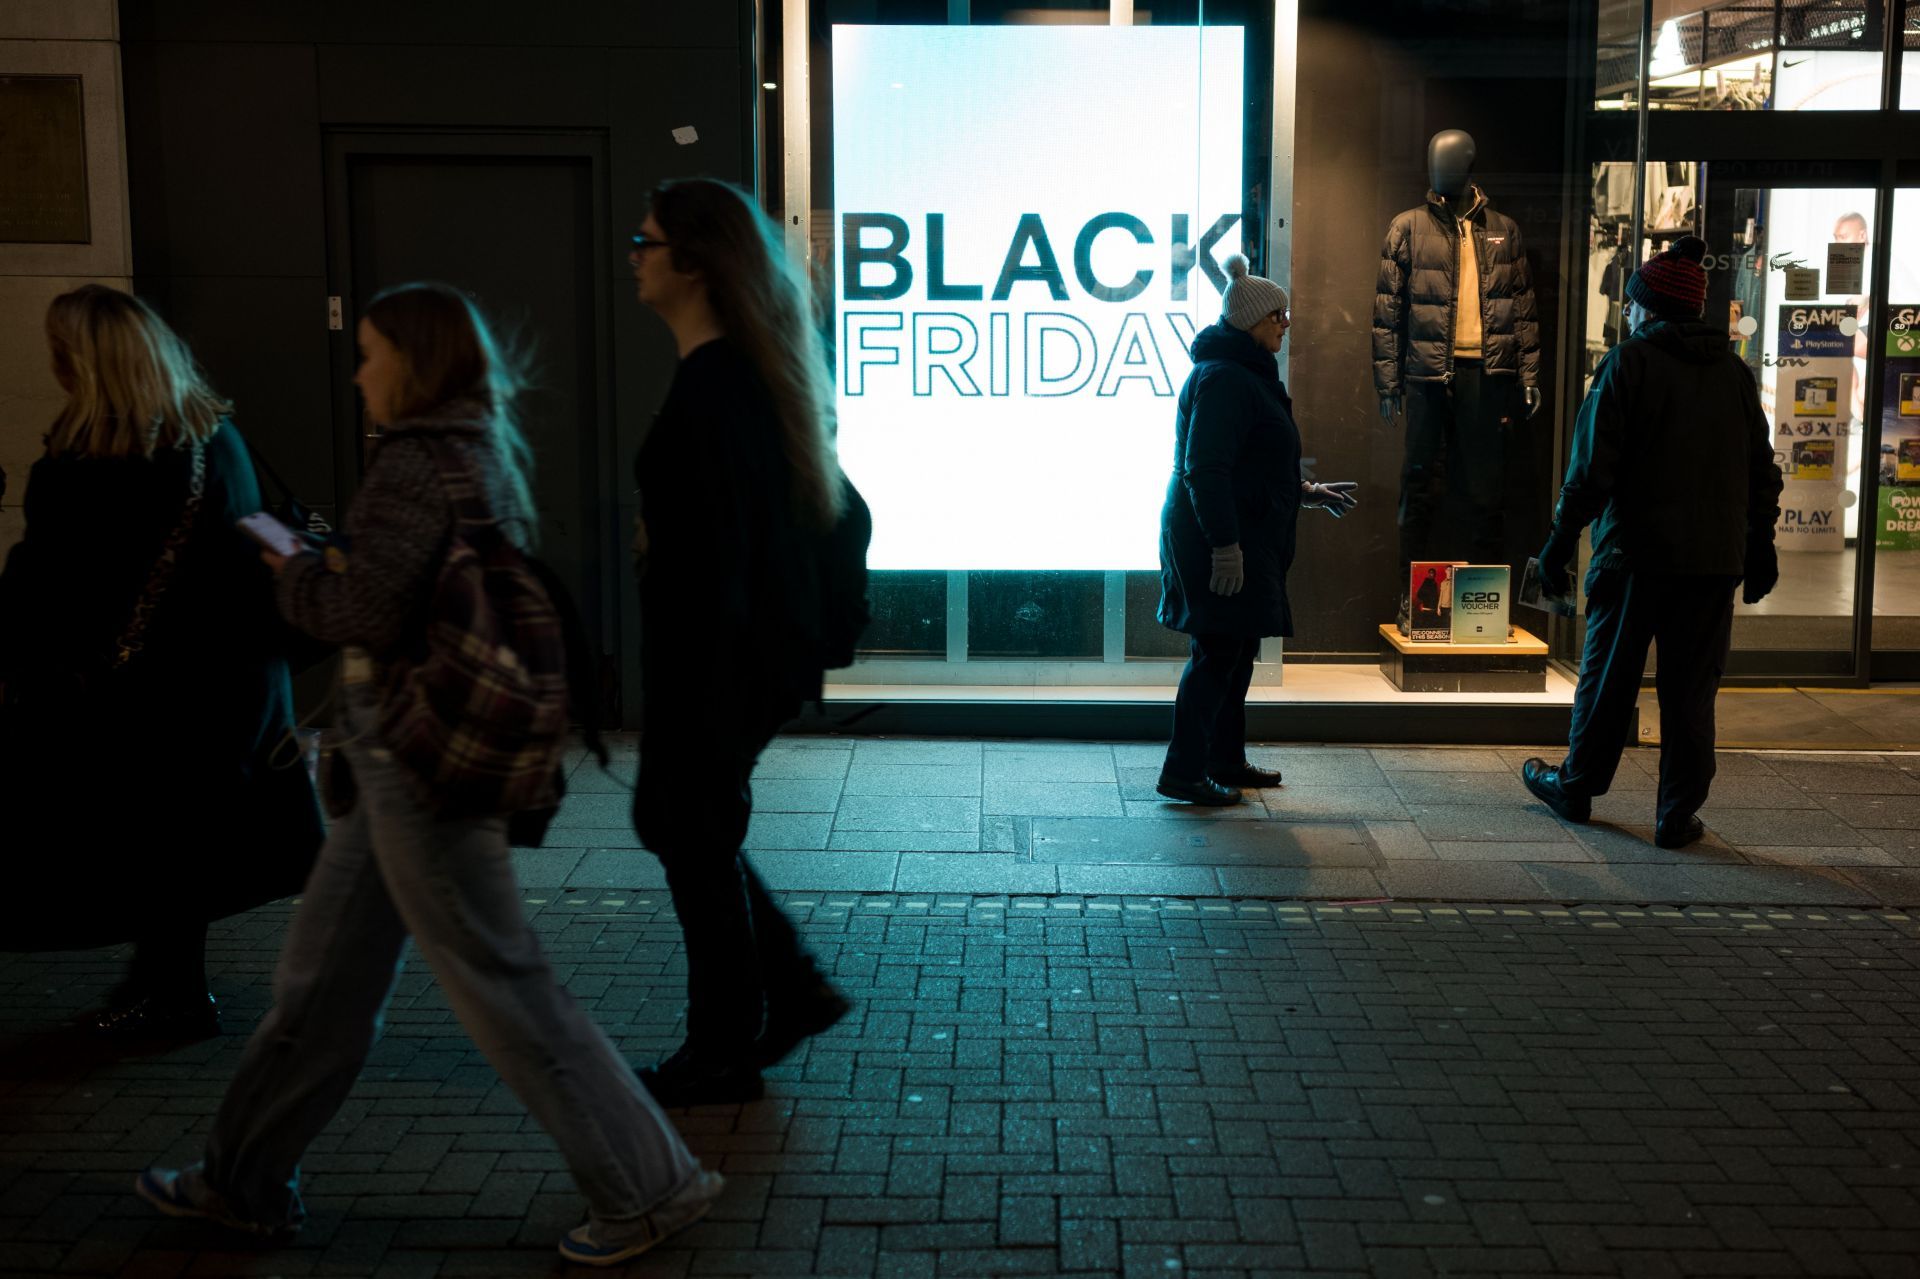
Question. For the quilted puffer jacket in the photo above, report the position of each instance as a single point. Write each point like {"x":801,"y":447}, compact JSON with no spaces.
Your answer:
{"x":1414,"y":301}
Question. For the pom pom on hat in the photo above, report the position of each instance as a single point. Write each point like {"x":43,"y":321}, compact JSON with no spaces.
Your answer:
{"x":1249,"y":299}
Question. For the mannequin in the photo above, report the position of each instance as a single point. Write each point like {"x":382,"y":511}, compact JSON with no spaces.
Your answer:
{"x":1462,"y":360}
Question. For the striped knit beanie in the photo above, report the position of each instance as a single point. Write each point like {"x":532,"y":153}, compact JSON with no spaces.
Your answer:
{"x":1673,"y":283}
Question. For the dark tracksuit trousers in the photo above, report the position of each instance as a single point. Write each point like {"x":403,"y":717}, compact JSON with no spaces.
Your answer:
{"x":1210,"y":710}
{"x":1690,"y":617}
{"x":691,"y":807}
{"x":1456,"y":443}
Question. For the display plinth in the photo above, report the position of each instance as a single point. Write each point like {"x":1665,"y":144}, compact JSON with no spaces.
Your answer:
{"x":1518,"y":666}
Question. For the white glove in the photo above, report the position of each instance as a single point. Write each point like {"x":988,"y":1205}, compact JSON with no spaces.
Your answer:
{"x":1336,"y":497}
{"x":1229,"y":570}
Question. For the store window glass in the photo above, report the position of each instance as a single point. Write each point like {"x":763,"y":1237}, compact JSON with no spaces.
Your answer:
{"x":1742,"y":55}
{"x":1020,"y":215}
{"x":1789,"y":272}
{"x":1910,"y":56}
{"x":1896,"y":582}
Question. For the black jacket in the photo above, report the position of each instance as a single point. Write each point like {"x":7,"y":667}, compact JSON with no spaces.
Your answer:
{"x":728,"y":570}
{"x":1413,"y":302}
{"x":1236,"y":478}
{"x":165,"y":786}
{"x":1672,"y":458}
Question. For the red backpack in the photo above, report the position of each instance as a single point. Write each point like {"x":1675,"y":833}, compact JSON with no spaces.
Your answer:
{"x":478,"y":712}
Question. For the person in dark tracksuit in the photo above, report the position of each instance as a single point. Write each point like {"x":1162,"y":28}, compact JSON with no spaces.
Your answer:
{"x":1227,"y":534}
{"x":1673,"y":466}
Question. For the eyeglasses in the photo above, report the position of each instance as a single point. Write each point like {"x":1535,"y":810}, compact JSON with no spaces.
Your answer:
{"x":648,"y":242}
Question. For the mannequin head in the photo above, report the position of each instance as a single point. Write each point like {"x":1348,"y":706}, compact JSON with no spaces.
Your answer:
{"x":1450,"y":156}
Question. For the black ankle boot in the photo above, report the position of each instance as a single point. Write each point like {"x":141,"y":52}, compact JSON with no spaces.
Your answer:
{"x":150,"y":1016}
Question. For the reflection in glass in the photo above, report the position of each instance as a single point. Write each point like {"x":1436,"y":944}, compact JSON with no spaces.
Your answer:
{"x":1742,"y":55}
{"x":1896,"y":580}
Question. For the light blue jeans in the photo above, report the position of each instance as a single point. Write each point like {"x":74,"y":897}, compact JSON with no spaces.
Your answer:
{"x":390,"y":870}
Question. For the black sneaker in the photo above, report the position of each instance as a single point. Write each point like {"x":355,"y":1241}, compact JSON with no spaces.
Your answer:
{"x":791,"y":1020}
{"x":1679,"y":834}
{"x":1246,"y":774}
{"x":687,"y":1079}
{"x":1206,"y":792}
{"x":1543,"y":780}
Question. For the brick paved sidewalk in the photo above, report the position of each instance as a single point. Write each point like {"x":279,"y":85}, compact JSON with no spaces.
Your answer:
{"x":1093,"y":1087}
{"x":1424,"y":824}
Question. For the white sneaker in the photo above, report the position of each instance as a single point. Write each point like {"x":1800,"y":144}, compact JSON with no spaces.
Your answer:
{"x":584,"y":1246}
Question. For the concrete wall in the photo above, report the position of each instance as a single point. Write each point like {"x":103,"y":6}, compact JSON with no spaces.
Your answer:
{"x":58,"y":37}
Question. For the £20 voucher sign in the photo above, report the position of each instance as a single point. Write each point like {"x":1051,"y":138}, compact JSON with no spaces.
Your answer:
{"x":1030,"y":225}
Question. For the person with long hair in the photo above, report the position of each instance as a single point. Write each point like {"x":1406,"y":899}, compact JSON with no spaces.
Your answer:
{"x":396,"y":865}
{"x":146,"y":745}
{"x":737,"y":479}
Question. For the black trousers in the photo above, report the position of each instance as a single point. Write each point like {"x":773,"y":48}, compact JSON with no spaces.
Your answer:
{"x":1210,"y":710}
{"x":1456,"y":450}
{"x":170,"y":960}
{"x":1691,"y":619}
{"x":691,"y":807}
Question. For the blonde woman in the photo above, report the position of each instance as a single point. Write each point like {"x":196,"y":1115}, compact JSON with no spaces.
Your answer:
{"x":149,"y":778}
{"x":738,"y":479}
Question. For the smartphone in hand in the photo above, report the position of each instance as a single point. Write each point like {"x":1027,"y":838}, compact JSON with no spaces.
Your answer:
{"x":273,"y":535}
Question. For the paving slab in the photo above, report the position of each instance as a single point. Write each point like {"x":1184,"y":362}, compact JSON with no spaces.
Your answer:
{"x":1530,"y":822}
{"x":1060,"y":764}
{"x":1400,"y":841}
{"x":804,"y":763}
{"x":911,"y":812}
{"x":1459,"y":881}
{"x":913,"y":779}
{"x":789,"y":830}
{"x":1053,"y":799}
{"x":1249,"y":810}
{"x":1747,"y":885}
{"x":1800,"y":855}
{"x":826,"y":871}
{"x":1874,"y":812}
{"x":1825,"y":774}
{"x":984,"y":873}
{"x":1429,"y":786}
{"x":1349,"y":803}
{"x":1440,"y":759}
{"x":946,"y":752}
{"x":1123,"y":881}
{"x":1498,"y":850}
{"x":1336,"y":882}
{"x":1899,"y":886}
{"x":545,"y":867}
{"x":616,"y":868}
{"x":1775,"y":826}
{"x":1201,"y":843}
{"x":904,"y":841}
{"x":1320,"y":765}
{"x":795,"y":795}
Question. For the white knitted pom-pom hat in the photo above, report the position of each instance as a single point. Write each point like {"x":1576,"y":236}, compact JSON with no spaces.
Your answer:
{"x":1249,"y":299}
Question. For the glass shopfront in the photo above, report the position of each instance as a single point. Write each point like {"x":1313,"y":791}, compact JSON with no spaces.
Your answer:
{"x":1018,"y":215}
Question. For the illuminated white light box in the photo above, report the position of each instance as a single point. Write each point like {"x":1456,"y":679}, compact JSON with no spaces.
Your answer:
{"x":1030,"y":227}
